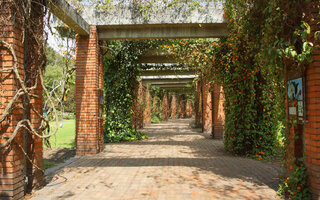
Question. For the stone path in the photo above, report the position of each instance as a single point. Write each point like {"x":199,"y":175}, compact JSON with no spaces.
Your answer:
{"x":176,"y":162}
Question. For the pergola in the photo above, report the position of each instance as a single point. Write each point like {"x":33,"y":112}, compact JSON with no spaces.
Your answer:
{"x":91,"y":27}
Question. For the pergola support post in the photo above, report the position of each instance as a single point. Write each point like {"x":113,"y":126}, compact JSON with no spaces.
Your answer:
{"x":174,"y":106}
{"x":198,"y":104}
{"x":312,"y":121}
{"x":89,"y":139}
{"x":218,"y":111}
{"x":182,"y":106}
{"x":164,"y":113}
{"x":206,"y":106}
{"x":147,"y":110}
{"x":189,"y":109}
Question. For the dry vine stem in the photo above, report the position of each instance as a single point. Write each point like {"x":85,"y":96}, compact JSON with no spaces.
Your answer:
{"x":24,"y":91}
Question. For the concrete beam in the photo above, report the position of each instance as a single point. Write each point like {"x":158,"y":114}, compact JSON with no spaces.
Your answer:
{"x":211,"y":13}
{"x":162,"y":31}
{"x":67,"y":14}
{"x":167,"y":72}
{"x":166,"y":82}
{"x":157,"y":59}
{"x":180,"y":90}
{"x":178,"y":85}
{"x":168,"y":77}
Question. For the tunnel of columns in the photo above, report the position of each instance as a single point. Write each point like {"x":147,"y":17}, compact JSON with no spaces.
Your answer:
{"x":185,"y":93}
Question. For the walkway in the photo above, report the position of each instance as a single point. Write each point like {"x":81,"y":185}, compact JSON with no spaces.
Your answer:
{"x":176,"y":162}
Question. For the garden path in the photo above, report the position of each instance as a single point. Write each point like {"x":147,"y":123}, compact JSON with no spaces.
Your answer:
{"x":176,"y":162}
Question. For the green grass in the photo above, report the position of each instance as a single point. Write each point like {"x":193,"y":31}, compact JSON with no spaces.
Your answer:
{"x":48,"y":164}
{"x":65,"y":137}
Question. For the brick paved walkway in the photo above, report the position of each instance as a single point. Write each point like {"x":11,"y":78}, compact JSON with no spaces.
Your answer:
{"x":176,"y":162}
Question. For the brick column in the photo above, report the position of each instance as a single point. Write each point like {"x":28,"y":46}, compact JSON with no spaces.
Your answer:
{"x":182,"y":107}
{"x":11,"y":157}
{"x":189,"y":109}
{"x":174,"y":106}
{"x":312,"y":127}
{"x":147,"y":110}
{"x":33,"y":144}
{"x":100,"y":118}
{"x":197,"y":104}
{"x":164,"y":113}
{"x":134,"y":111}
{"x":139,"y":102}
{"x":87,"y":97}
{"x":218,"y":112}
{"x":206,"y":107}
{"x":155,"y":107}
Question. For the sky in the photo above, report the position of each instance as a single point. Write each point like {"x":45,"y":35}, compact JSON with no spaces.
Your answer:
{"x":54,"y":40}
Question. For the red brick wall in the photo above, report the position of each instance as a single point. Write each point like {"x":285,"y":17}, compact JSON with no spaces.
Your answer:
{"x":12,"y":158}
{"x":147,"y":110}
{"x":206,"y":107}
{"x":218,"y":112}
{"x":164,"y":112}
{"x":174,"y":106}
{"x":87,"y":84}
{"x":312,"y":127}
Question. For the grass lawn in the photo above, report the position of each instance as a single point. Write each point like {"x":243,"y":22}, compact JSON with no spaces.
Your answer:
{"x":65,"y":137}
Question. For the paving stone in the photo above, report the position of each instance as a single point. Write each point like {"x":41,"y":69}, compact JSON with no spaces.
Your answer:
{"x":176,"y":162}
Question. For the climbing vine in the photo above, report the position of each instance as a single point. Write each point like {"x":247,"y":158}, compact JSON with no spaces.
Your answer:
{"x":249,"y":63}
{"x":121,"y":72}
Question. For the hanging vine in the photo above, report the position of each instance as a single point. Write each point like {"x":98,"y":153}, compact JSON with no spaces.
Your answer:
{"x":22,"y":79}
{"x":121,"y":73}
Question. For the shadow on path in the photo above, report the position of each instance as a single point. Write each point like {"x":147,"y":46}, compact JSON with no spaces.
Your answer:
{"x":175,"y":156}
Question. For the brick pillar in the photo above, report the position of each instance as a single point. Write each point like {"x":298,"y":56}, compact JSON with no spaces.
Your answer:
{"x":197,"y":104}
{"x":174,"y":106}
{"x":206,"y":107}
{"x":155,"y":107}
{"x":139,"y":108}
{"x":87,"y":93}
{"x":33,"y":59}
{"x":134,"y":111}
{"x":312,"y":127}
{"x":182,"y":107}
{"x":101,"y":100}
{"x":164,"y":113}
{"x":147,"y":110}
{"x":189,"y":109}
{"x":11,"y":157}
{"x":218,"y":112}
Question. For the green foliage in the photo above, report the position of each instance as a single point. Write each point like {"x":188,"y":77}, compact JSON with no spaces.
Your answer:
{"x":54,"y":66}
{"x":55,"y":70}
{"x":120,"y":82}
{"x":48,"y":164}
{"x":156,"y":93}
{"x":249,"y":64}
{"x":251,"y":118}
{"x":295,"y":185}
